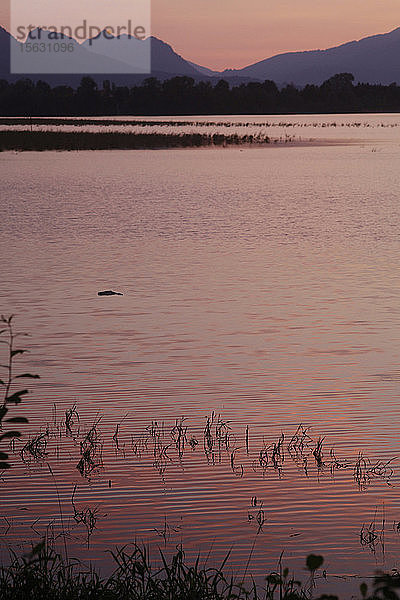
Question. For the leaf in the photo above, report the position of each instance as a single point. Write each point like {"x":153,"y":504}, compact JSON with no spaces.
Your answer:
{"x":28,"y":375}
{"x":16,"y":396}
{"x":3,"y":456}
{"x":15,"y":352}
{"x":17,"y":420}
{"x":10,"y":434}
{"x":4,"y":465}
{"x":2,"y":382}
{"x":314,"y":561}
{"x":363,"y":589}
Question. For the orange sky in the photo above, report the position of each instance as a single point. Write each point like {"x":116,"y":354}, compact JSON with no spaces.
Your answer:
{"x":235,"y":33}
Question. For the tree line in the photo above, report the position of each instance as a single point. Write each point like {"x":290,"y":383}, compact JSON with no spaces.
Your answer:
{"x":185,"y":96}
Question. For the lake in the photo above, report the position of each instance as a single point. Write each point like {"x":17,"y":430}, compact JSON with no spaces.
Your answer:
{"x":243,"y":393}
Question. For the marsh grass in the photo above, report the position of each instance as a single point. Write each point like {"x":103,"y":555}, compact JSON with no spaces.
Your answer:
{"x":43,"y":573}
{"x":318,"y":454}
{"x":179,"y":435}
{"x":167,"y":445}
{"x":71,"y":420}
{"x":91,"y":452}
{"x":157,"y":122}
{"x":365,"y":470}
{"x":372,"y":535}
{"x":35,"y":448}
{"x":86,"y":516}
{"x":83,"y":140}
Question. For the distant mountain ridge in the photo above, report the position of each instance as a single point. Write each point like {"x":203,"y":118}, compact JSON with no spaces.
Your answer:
{"x":374,"y":59}
{"x":86,"y":58}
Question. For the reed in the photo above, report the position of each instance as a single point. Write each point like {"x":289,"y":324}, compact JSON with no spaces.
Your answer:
{"x":44,"y":573}
{"x":83,"y":140}
{"x":71,"y":419}
{"x":91,"y":452}
{"x":87,"y":516}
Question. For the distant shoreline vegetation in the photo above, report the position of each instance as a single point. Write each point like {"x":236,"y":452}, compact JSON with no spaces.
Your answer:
{"x":83,"y":140}
{"x":184,"y":96}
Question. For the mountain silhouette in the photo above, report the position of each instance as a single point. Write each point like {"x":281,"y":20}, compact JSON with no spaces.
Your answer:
{"x":123,"y":48}
{"x":103,"y":59}
{"x":78,"y":58}
{"x":374,"y":59}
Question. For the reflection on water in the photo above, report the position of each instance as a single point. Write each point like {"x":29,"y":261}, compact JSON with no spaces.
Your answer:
{"x":260,"y":288}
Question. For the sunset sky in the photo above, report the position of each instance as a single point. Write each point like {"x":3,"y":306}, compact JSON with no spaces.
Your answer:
{"x":235,"y":33}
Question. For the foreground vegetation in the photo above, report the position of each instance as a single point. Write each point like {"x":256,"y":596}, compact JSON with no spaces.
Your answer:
{"x":46,"y":574}
{"x":183,"y":96}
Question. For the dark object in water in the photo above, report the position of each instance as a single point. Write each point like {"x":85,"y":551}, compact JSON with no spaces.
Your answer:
{"x":109,"y":293}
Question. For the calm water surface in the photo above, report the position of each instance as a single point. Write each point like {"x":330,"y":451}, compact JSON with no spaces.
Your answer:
{"x":261,"y":285}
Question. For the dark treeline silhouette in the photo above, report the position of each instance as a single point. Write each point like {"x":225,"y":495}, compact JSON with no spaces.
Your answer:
{"x":184,"y":96}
